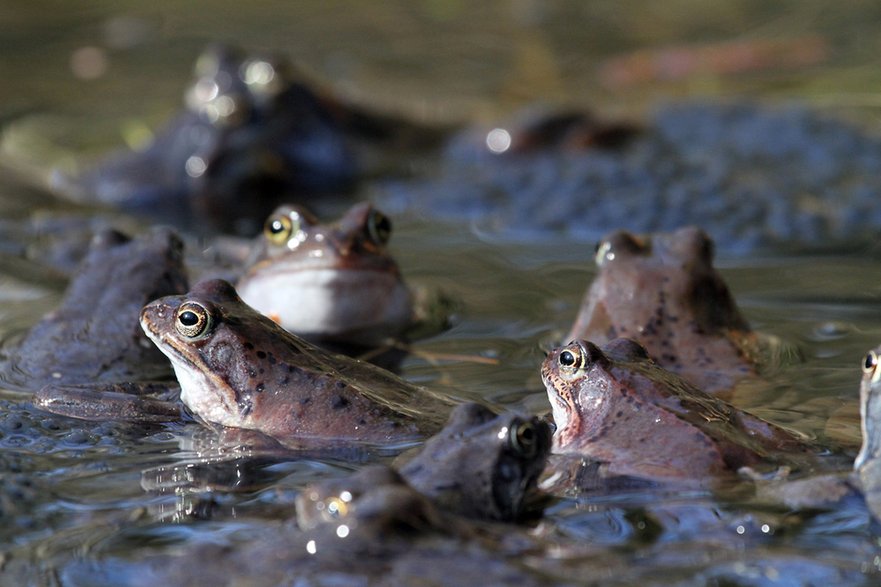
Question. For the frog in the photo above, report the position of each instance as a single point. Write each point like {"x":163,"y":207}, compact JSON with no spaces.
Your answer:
{"x":482,"y":465}
{"x":94,"y":335}
{"x":333,"y":283}
{"x":335,"y":501}
{"x":254,"y":132}
{"x":238,"y":368}
{"x":368,"y":528}
{"x":863,"y":481}
{"x":617,"y":406}
{"x":663,"y":291}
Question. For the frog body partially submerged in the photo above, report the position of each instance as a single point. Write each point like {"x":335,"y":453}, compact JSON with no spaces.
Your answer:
{"x":238,"y":368}
{"x":663,"y":291}
{"x":331,"y":283}
{"x":94,"y":334}
{"x":614,"y":404}
{"x":253,"y":134}
{"x":369,"y":528}
{"x":482,"y":464}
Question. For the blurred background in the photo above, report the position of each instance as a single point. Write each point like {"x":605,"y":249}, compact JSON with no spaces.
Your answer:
{"x":125,"y":63}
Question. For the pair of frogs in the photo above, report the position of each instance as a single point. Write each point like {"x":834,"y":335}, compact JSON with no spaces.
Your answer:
{"x":332,"y":283}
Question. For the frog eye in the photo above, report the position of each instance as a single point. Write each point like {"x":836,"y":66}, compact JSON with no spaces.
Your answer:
{"x":379,"y":227}
{"x":571,"y":358}
{"x":337,"y":507}
{"x":602,"y":253}
{"x":192,"y":320}
{"x":524,"y":439}
{"x":619,"y":244}
{"x":870,"y":362}
{"x":279,"y":228}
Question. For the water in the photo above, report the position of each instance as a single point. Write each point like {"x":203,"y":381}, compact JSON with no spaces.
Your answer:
{"x":81,"y":81}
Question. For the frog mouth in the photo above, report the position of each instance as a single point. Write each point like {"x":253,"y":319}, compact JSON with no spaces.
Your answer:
{"x":318,"y":262}
{"x":200,"y":390}
{"x":561,"y":407}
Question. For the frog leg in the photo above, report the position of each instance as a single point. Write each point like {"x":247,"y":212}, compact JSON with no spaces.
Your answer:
{"x":145,"y":401}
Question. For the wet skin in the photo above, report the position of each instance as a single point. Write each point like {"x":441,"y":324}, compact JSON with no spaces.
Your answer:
{"x":238,"y":368}
{"x":614,"y":404}
{"x":663,"y":292}
{"x":94,"y":334}
{"x":333,"y":283}
{"x":376,"y":495}
{"x":482,"y":465}
{"x":252,"y":136}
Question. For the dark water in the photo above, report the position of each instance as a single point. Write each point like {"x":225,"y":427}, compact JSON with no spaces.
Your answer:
{"x":72,"y":492}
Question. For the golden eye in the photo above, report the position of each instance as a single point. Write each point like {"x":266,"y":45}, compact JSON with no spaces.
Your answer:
{"x":524,"y":438}
{"x":279,"y":228}
{"x":870,"y":362}
{"x":336,"y":507}
{"x":379,"y":227}
{"x":571,"y":358}
{"x":192,"y":320}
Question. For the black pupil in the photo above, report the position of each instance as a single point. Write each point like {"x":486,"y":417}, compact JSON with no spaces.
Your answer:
{"x":527,"y":435}
{"x":870,"y":360}
{"x":188,"y":318}
{"x":276,"y":226}
{"x":383,"y":226}
{"x":567,"y":359}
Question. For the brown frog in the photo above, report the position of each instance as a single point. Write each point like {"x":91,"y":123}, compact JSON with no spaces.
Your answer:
{"x":614,"y":404}
{"x":94,"y":335}
{"x":482,"y":465}
{"x":663,"y":291}
{"x":331,"y":283}
{"x":238,"y":368}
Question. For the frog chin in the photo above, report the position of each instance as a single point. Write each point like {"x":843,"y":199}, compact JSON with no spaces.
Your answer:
{"x":201,"y":395}
{"x":331,"y":302}
{"x":560,"y":412}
